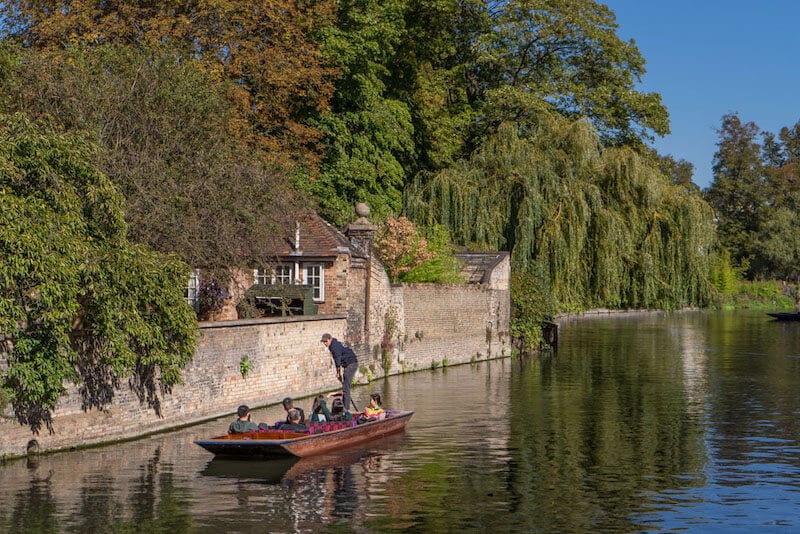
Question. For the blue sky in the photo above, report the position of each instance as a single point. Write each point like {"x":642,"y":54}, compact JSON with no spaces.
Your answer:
{"x":711,"y":57}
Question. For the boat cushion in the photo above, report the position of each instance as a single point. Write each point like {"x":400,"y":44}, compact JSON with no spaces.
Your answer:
{"x":328,"y":426}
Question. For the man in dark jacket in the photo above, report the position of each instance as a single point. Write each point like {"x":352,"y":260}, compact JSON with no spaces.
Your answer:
{"x":242,"y":423}
{"x":346,"y":364}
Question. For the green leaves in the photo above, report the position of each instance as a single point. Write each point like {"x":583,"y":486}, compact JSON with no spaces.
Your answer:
{"x":77,"y":301}
{"x":597,"y":226}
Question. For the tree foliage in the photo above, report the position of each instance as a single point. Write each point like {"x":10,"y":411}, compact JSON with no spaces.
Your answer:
{"x":755,"y":196}
{"x":266,"y":48}
{"x":78,"y":302}
{"x":368,"y":132}
{"x":599,"y":226}
{"x":738,"y":192}
{"x":443,"y":267}
{"x":170,"y":144}
{"x":425,"y":83}
{"x":566,"y":56}
{"x":400,"y":247}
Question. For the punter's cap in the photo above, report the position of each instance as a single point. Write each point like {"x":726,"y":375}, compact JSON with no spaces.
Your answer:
{"x":325,"y":337}
{"x":243,"y":410}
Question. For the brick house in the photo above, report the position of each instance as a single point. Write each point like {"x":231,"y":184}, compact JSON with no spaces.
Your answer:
{"x":338,"y":272}
{"x":330,"y":264}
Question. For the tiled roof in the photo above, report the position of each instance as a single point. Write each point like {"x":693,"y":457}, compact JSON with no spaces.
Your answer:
{"x":318,"y":239}
{"x":476,"y":266}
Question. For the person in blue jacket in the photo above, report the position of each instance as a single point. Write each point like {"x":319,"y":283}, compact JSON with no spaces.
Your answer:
{"x":346,"y":364}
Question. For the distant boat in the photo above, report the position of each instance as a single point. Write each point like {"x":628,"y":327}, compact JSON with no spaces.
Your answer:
{"x":785,"y":316}
{"x":322,"y":438}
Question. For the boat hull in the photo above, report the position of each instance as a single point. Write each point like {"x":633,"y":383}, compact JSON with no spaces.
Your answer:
{"x":269,"y":445}
{"x":785,"y":316}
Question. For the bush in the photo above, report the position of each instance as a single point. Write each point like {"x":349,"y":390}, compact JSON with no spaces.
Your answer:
{"x":531,"y":302}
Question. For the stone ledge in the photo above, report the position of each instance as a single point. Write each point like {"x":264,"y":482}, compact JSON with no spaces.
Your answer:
{"x":269,"y":320}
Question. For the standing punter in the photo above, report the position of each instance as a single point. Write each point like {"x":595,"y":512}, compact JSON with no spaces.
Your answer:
{"x":344,"y":358}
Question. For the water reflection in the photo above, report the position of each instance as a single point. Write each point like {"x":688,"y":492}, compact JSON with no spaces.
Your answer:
{"x":666,"y":422}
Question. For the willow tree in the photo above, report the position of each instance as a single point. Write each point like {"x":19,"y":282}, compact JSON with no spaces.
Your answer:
{"x":599,"y":226}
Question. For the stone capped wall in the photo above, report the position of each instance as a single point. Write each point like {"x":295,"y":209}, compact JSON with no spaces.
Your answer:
{"x":286,"y":359}
{"x":413,"y":326}
{"x":410,"y":327}
{"x":455,"y":323}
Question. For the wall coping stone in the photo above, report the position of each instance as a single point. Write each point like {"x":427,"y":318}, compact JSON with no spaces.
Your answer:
{"x":269,"y":320}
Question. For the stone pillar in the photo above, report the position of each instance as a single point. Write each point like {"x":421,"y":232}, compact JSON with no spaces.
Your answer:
{"x":361,"y":233}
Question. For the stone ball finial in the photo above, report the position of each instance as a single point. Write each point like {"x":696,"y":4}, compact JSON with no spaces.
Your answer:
{"x":362,"y":209}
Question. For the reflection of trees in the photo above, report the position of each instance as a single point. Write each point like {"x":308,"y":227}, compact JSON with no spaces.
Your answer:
{"x":157,"y":504}
{"x":593,"y":430}
{"x":35,"y":509}
{"x":345,"y":494}
{"x":595,"y":427}
{"x":98,"y":508}
{"x":755,"y":385}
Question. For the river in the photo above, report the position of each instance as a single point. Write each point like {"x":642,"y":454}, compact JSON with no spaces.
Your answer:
{"x":669,"y":421}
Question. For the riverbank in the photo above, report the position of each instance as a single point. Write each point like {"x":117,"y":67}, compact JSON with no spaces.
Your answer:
{"x":258,"y":362}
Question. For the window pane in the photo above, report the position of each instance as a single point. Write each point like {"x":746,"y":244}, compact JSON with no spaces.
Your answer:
{"x":314,"y":279}
{"x":264,"y":276}
{"x":283,"y":274}
{"x":190,"y":291}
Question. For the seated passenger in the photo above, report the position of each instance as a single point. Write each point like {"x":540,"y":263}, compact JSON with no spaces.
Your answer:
{"x":288,"y":404}
{"x":294,"y":424}
{"x":374,"y":410}
{"x":242,"y":423}
{"x":319,"y":410}
{"x":338,"y":412}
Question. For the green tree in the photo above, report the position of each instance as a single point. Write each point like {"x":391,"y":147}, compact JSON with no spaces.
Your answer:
{"x":738,"y":193}
{"x":566,"y":56}
{"x":426,"y":83}
{"x":78,"y":302}
{"x":369,"y":135}
{"x":778,"y":244}
{"x":163,"y":122}
{"x":400,"y":247}
{"x":443,"y":267}
{"x":679,"y":171}
{"x":599,"y":226}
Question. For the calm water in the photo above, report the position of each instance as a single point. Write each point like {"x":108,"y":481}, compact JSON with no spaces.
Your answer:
{"x":666,"y":422}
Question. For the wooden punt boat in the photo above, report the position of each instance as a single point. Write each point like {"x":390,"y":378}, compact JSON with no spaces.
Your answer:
{"x":278,"y":443}
{"x":785,"y":316}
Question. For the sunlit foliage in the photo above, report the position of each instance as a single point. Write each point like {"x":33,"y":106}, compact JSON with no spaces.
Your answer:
{"x":598,"y":225}
{"x":78,"y":302}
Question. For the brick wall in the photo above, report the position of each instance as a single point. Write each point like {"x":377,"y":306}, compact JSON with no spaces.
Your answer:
{"x":430,"y":323}
{"x":427,"y":323}
{"x":286,"y":359}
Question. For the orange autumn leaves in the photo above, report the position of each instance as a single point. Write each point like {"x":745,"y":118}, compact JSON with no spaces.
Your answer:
{"x":262,"y":48}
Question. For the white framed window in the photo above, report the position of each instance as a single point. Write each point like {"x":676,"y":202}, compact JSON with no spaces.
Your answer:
{"x":314,"y":276}
{"x":263,"y":276}
{"x":283,"y":274}
{"x":280,"y":274}
{"x":191,"y":289}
